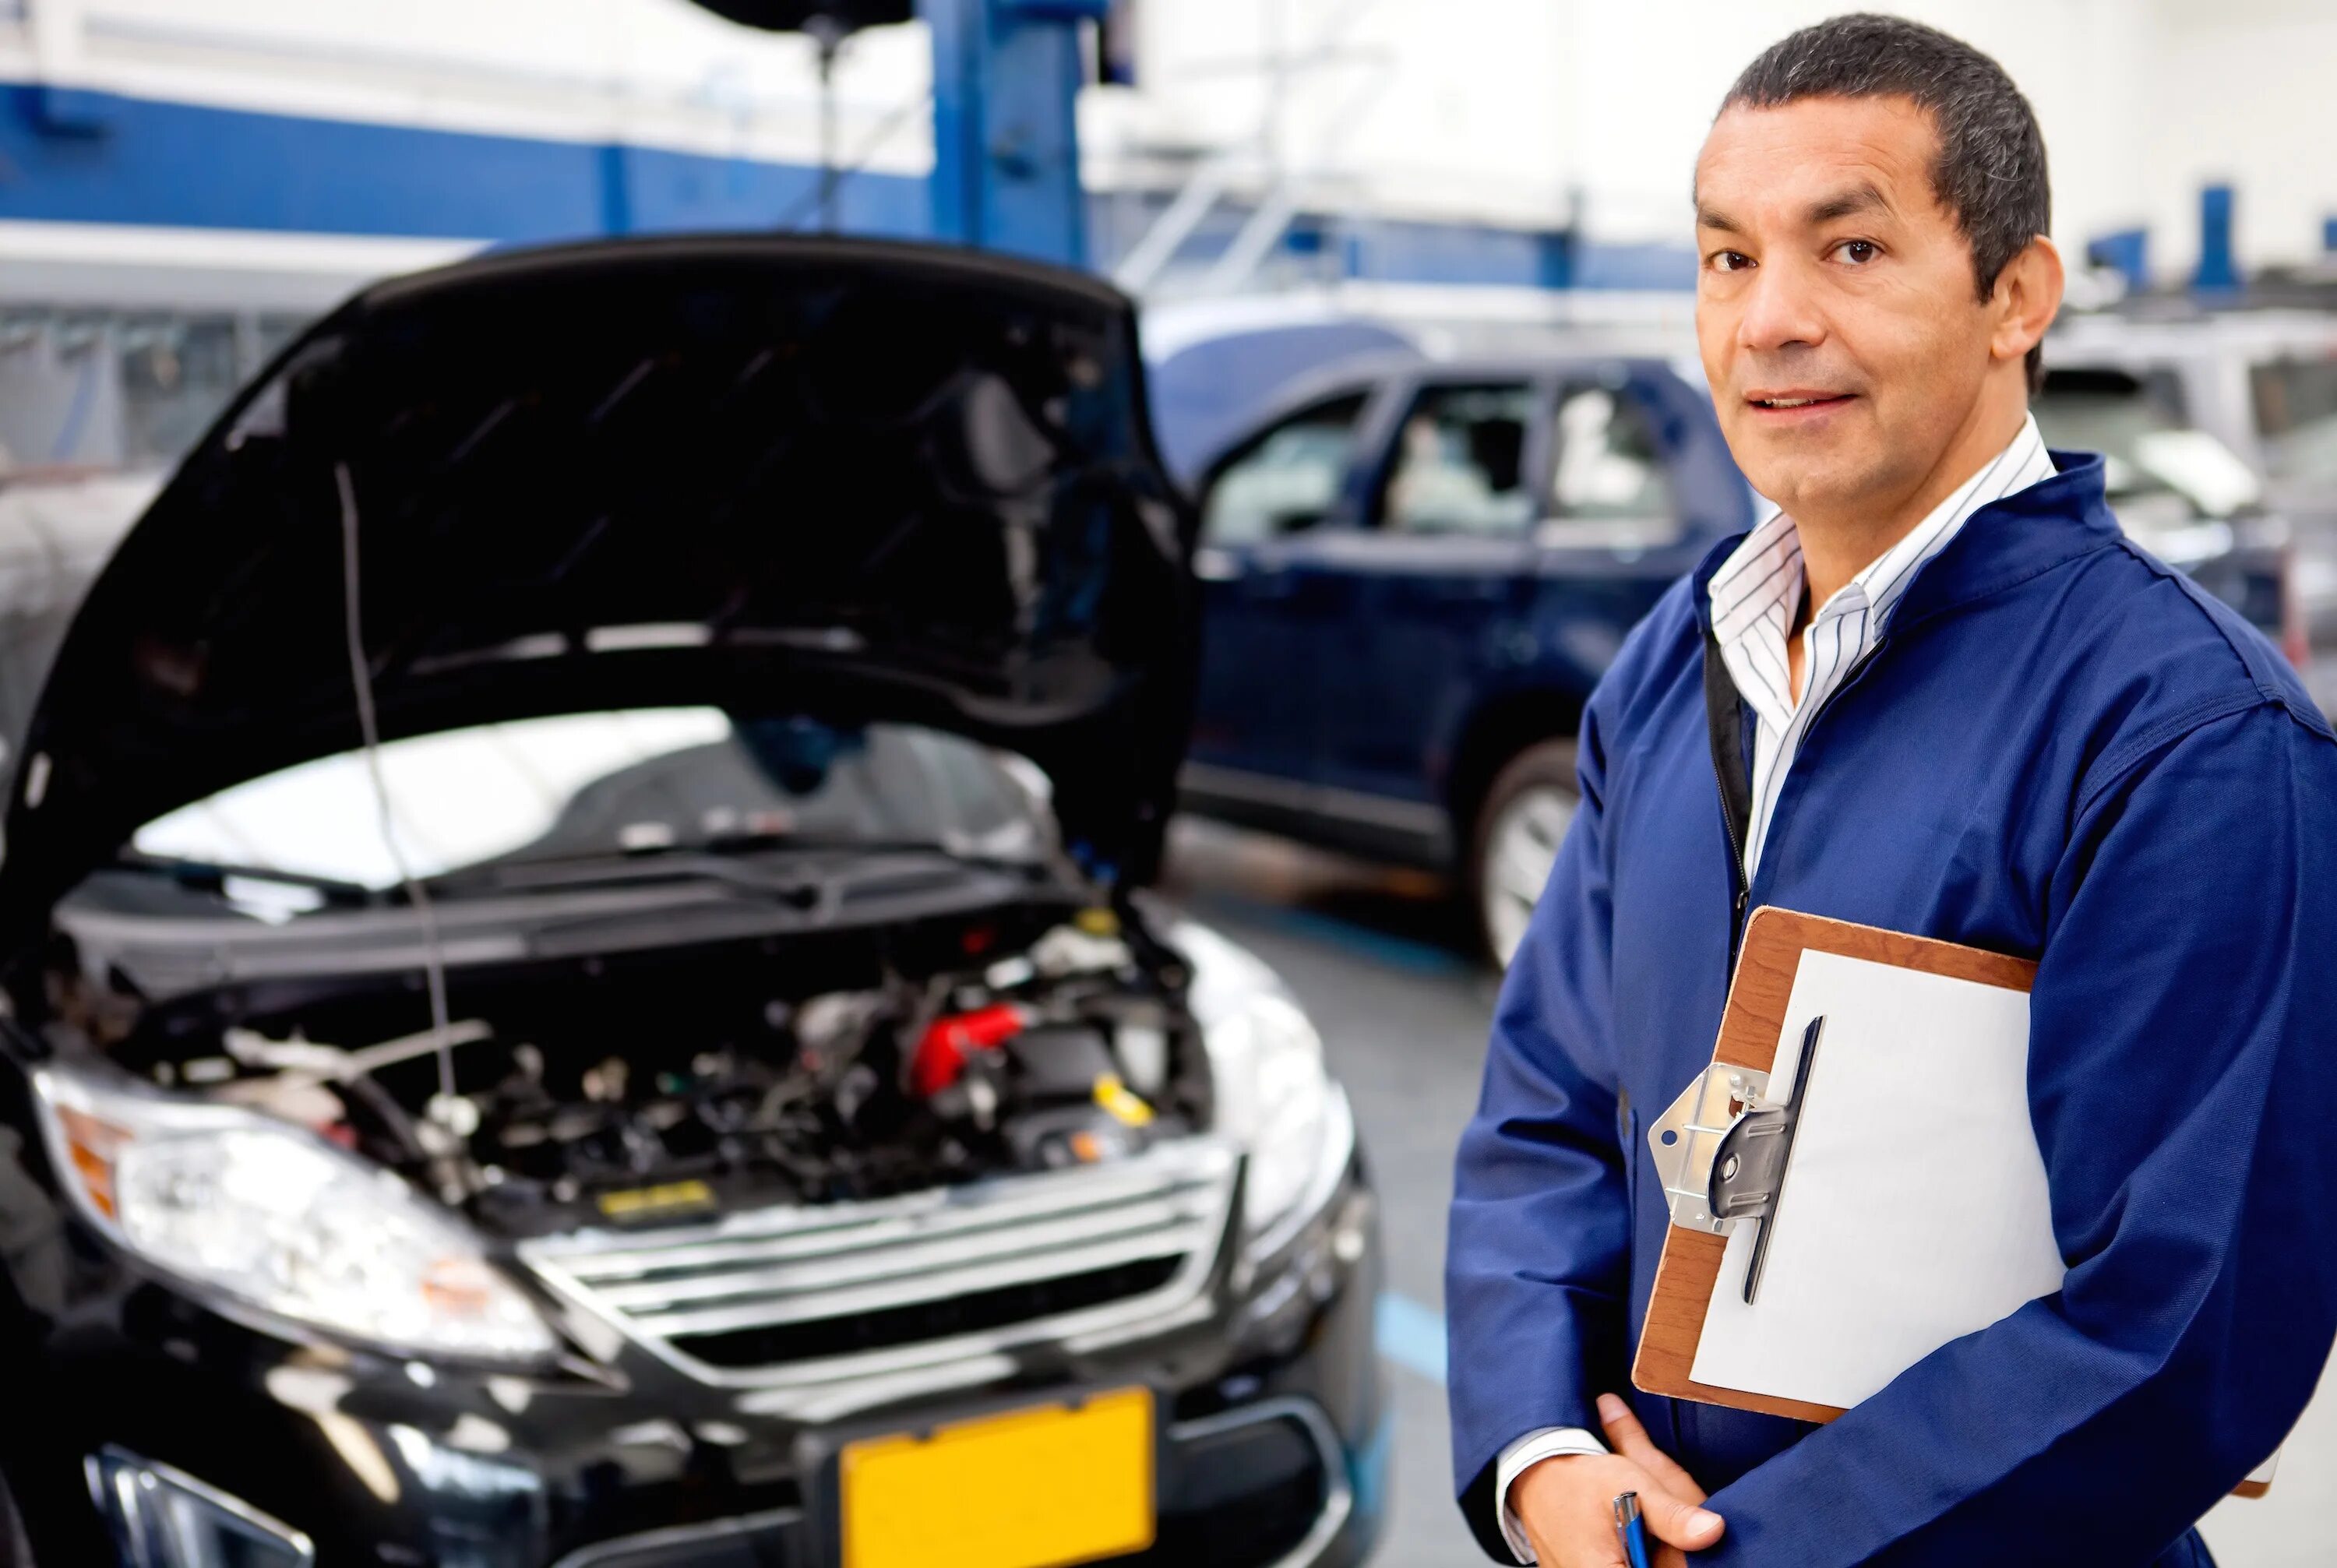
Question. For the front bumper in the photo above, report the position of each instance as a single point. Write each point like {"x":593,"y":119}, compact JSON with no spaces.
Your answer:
{"x":1267,"y":1482}
{"x":1269,"y":1451}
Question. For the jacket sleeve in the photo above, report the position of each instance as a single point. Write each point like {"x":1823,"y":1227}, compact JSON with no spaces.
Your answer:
{"x":2182,"y":1053}
{"x":1536,"y":1264}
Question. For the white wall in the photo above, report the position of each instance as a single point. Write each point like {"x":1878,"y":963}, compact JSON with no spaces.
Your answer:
{"x":2244,"y":90}
{"x":657,"y":73}
{"x":1427,"y":107}
{"x":1508,"y":108}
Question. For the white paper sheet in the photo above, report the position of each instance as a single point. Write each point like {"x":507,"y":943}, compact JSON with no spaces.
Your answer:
{"x":1914,"y":1209}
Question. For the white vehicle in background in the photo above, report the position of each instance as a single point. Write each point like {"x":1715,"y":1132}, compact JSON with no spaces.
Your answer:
{"x":2264,"y":384}
{"x":120,"y":343}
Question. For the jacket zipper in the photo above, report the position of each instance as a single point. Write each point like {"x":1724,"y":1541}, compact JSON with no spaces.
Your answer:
{"x":1736,"y":863}
{"x":1716,"y":682}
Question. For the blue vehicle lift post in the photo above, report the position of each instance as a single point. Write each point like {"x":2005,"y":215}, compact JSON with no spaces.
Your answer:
{"x":2219,"y":267}
{"x":1007,"y":75}
{"x":1006,"y":152}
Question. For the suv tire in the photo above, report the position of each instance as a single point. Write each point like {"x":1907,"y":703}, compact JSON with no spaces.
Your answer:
{"x":1514,"y":840}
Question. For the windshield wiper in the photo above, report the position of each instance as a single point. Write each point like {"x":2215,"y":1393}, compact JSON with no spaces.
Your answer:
{"x":733,"y":862}
{"x":212,"y":876}
{"x":665,"y":863}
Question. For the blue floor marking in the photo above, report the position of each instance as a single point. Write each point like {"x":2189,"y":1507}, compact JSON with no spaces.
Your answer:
{"x":1411,"y":1336}
{"x":1394,"y":951}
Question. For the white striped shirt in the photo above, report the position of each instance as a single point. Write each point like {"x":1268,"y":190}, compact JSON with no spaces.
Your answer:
{"x":1754,"y":596}
{"x":1758,"y":590}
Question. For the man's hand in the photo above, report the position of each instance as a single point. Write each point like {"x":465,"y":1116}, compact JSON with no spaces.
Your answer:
{"x":1567,"y":1505}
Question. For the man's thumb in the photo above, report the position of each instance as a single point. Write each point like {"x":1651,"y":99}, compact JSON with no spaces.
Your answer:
{"x":1676,"y":1522}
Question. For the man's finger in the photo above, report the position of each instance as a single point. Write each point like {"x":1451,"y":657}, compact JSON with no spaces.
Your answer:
{"x":1676,"y":1521}
{"x":1628,"y":1437}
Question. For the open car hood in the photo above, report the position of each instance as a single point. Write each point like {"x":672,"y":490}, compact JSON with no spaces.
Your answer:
{"x":776,"y":475}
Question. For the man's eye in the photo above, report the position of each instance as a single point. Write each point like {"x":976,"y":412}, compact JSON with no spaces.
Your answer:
{"x":1730,"y":261}
{"x":1858,"y":252}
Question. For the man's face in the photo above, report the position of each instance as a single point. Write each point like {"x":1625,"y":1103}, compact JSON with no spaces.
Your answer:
{"x":1837,"y":309}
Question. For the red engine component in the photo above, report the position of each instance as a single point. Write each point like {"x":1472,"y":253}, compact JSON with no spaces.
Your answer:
{"x":944,"y":1047}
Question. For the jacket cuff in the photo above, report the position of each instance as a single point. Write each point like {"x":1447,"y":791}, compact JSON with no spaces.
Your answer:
{"x":1549,"y":1443}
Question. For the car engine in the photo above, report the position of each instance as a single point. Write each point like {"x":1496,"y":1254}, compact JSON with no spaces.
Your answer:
{"x":646,"y":1087}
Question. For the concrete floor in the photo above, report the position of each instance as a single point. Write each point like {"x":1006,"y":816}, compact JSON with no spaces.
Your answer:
{"x":1379,"y":960}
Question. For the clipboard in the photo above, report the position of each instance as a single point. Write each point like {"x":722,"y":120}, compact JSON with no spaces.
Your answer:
{"x":1774,"y":941}
{"x":1730,"y":1110}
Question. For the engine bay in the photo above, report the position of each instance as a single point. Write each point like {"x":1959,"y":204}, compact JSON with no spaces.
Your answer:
{"x":670,"y":1084}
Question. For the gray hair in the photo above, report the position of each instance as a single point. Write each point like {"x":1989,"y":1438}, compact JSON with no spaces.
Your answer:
{"x":1990,"y":170}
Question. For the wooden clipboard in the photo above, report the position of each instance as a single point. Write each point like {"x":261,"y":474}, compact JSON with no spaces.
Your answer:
{"x":1774,"y":941}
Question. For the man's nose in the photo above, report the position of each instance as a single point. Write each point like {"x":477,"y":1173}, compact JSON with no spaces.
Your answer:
{"x":1781,"y":312}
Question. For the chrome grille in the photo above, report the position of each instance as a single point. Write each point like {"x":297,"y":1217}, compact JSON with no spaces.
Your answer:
{"x":797,"y":1268}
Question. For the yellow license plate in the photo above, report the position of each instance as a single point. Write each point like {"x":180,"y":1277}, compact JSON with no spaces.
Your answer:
{"x":1034,"y":1488}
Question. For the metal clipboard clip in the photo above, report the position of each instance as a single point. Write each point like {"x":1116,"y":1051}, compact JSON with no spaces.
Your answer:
{"x":1722,"y":1147}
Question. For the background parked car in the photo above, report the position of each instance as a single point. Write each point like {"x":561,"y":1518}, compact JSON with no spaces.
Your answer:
{"x":2216,"y":429}
{"x":1413,"y":574}
{"x":1414,"y":570}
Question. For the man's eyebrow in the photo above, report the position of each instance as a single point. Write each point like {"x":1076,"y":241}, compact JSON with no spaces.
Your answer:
{"x":1860,"y":198}
{"x":1714,"y":217}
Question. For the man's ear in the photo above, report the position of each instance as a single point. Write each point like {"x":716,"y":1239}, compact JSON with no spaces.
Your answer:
{"x":2026,"y":299}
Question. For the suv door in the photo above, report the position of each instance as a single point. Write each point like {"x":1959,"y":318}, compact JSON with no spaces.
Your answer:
{"x":1253,"y":735}
{"x":1631,"y":503}
{"x":1423,"y":595}
{"x":1639,"y":487}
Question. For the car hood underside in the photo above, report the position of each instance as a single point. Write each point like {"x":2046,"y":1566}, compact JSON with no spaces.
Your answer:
{"x":857,"y":480}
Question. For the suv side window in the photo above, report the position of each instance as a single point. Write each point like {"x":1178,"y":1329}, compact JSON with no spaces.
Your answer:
{"x":1459,"y":463}
{"x":1609,"y":488}
{"x":1287,"y":480}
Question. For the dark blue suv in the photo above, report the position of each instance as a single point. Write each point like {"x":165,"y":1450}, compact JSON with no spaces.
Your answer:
{"x":1413,"y":574}
{"x":1413,"y":571}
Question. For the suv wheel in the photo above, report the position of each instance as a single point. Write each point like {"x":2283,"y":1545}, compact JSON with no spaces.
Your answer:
{"x":1525,"y":816}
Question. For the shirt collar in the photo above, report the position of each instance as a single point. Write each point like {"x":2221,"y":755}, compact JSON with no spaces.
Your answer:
{"x":1763,"y":576}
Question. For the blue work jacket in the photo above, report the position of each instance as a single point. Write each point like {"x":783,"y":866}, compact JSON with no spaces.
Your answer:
{"x":2061,"y":748}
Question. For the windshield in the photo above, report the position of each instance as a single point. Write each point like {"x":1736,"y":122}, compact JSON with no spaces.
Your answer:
{"x":2158,"y":471}
{"x":2296,"y":411}
{"x":596,"y":784}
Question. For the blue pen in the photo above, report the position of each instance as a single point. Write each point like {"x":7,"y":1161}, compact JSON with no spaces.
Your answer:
{"x":1632,"y":1529}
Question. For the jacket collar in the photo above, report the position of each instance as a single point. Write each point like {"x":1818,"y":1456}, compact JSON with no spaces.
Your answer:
{"x":2005,"y":542}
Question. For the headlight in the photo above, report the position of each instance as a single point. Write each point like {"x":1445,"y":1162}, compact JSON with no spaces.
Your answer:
{"x":1273,"y":1096}
{"x":272,"y":1216}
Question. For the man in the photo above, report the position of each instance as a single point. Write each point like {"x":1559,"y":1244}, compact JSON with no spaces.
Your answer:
{"x":1949,"y":698}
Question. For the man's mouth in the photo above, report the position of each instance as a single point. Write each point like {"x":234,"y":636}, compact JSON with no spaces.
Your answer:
{"x":1790,"y":402}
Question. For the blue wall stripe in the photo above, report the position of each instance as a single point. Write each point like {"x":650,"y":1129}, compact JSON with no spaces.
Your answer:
{"x":144,"y":161}
{"x":105,"y":158}
{"x":1415,"y":251}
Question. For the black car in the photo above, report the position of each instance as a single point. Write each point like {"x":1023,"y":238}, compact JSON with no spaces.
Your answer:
{"x":576,"y":988}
